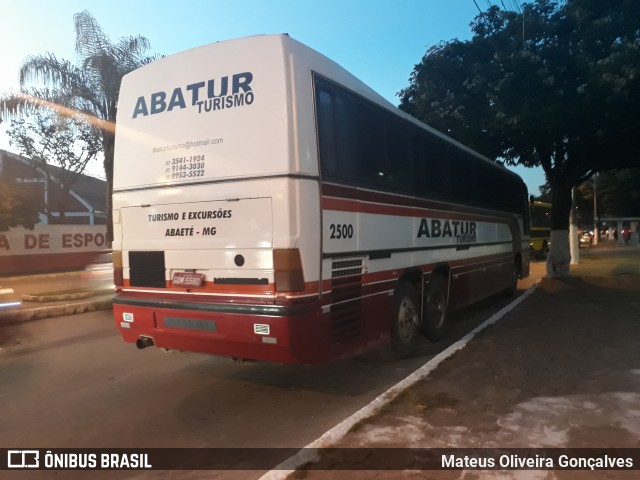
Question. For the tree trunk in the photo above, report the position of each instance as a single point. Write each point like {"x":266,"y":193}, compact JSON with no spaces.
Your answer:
{"x":559,"y":257}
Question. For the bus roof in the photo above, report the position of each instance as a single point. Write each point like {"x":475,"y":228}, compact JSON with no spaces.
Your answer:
{"x":167,"y":73}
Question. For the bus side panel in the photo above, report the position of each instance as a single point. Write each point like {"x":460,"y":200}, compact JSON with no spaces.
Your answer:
{"x":357,"y":309}
{"x":386,"y":239}
{"x":478,"y":278}
{"x":487,"y":272}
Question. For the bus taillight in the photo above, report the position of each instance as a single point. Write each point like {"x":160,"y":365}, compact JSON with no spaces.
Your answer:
{"x":116,"y":256}
{"x":288,"y":270}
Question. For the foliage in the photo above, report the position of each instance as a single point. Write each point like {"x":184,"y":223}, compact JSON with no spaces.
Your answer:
{"x":618,"y":193}
{"x":89,"y":89}
{"x":557,"y":86}
{"x":51,"y":139}
{"x":18,"y":207}
{"x":545,"y":193}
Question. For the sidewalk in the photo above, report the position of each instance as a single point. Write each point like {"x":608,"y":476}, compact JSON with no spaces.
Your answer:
{"x":32,"y":297}
{"x":561,"y":370}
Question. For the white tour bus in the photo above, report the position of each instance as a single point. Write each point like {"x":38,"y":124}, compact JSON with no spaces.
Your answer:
{"x":268,"y":205}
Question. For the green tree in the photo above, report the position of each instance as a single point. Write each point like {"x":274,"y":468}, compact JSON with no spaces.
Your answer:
{"x":557,"y":86}
{"x":18,"y":207}
{"x":51,"y":139}
{"x":89,"y":89}
{"x":619,"y":193}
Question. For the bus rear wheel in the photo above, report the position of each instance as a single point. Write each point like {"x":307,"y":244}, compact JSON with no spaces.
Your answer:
{"x":434,"y":321}
{"x":512,"y":289}
{"x":406,"y":320}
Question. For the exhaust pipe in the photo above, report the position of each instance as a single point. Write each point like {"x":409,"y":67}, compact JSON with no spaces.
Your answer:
{"x":144,"y":342}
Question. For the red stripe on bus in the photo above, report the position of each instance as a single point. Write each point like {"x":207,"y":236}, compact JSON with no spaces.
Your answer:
{"x":458,"y":267}
{"x":357,"y":206}
{"x":210,"y":288}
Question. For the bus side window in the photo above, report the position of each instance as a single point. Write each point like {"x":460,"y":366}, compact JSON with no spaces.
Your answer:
{"x":345,"y":123}
{"x":399,"y":168}
{"x":326,"y":133}
{"x":416,"y":152}
{"x":371,"y":143}
{"x":337,"y":134}
{"x":463,"y":176}
{"x":526,"y":212}
{"x":483,"y":187}
{"x":436,"y":182}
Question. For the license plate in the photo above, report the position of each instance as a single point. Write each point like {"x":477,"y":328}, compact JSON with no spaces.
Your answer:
{"x":187,"y":279}
{"x":190,"y":323}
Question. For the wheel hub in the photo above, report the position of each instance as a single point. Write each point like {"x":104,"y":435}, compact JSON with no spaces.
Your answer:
{"x":407,"y":319}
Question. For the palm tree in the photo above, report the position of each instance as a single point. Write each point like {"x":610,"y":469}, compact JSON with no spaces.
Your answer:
{"x":89,"y":89}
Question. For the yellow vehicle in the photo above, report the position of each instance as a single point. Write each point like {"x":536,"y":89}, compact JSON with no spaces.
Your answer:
{"x":540,"y":229}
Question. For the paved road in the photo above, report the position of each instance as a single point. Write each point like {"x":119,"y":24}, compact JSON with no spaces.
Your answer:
{"x":30,"y":292}
{"x":70,"y":382}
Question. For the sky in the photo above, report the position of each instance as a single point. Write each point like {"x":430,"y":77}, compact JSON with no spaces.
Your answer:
{"x":379,"y":41}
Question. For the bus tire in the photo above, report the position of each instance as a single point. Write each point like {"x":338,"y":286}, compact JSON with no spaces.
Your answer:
{"x":405,"y":321}
{"x":434,"y":319}
{"x":512,"y":289}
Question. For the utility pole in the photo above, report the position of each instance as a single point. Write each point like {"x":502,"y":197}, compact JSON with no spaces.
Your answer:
{"x":574,"y":247}
{"x":596,"y":228}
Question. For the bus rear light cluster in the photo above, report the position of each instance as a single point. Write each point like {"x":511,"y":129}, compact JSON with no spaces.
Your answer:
{"x":118,"y":277}
{"x":288,"y":273}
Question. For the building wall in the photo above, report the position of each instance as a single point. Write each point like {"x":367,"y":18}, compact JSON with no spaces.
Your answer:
{"x":68,"y":208}
{"x":72,"y":236}
{"x":49,"y":248}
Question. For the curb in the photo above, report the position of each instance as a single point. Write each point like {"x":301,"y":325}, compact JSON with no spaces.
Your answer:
{"x":21,"y":316}
{"x":40,"y":276}
{"x":63,"y":297}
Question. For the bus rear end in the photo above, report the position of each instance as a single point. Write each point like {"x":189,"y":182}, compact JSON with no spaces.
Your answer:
{"x":207,"y":207}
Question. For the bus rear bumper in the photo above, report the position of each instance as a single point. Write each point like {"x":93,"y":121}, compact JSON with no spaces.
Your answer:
{"x":271,"y":333}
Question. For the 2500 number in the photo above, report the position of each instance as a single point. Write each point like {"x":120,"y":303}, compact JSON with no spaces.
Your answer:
{"x":341,"y":230}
